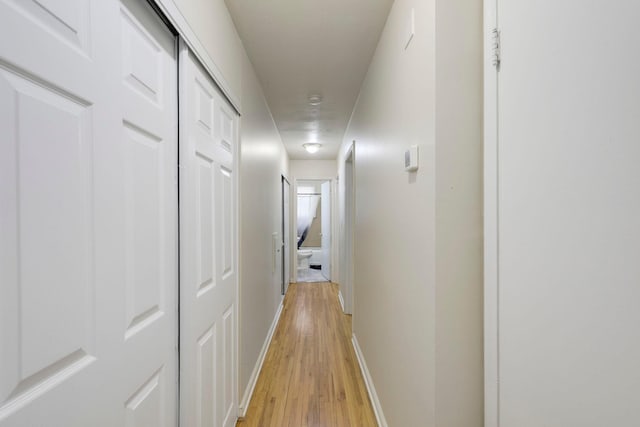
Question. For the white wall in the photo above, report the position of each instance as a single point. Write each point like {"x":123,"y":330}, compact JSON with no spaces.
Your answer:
{"x":263,"y":160}
{"x":417,"y":310}
{"x":458,"y":238}
{"x":313,"y":169}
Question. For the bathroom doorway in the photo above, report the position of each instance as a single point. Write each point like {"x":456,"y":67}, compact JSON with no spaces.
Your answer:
{"x":313,"y":230}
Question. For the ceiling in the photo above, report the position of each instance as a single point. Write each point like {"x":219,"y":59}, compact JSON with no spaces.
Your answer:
{"x":302,"y":48}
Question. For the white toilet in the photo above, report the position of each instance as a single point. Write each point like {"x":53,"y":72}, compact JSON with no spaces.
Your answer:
{"x":303,"y":258}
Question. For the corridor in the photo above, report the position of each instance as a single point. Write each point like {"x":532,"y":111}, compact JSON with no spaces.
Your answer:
{"x":310,"y":376}
{"x":233,"y":213}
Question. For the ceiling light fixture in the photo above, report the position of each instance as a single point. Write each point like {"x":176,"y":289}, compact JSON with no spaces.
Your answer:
{"x":315,"y":99}
{"x":312,"y":147}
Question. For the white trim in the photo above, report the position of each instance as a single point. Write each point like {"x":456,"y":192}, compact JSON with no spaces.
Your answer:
{"x":341,"y":300}
{"x":348,"y":233}
{"x":368,"y":381}
{"x":248,"y":393}
{"x":491,"y":224}
{"x":236,"y":244}
{"x":179,"y":22}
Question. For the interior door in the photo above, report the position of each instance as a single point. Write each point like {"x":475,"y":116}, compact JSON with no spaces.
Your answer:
{"x":568,"y":213}
{"x":208,"y":251}
{"x":325,"y":206}
{"x":57,"y":162}
{"x":286,"y":253}
{"x":81,"y":311}
{"x":148,"y":102}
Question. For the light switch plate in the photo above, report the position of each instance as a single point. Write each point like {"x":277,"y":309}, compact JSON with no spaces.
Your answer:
{"x":411,"y":159}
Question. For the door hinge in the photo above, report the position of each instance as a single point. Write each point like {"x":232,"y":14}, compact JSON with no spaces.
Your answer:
{"x":495,"y":51}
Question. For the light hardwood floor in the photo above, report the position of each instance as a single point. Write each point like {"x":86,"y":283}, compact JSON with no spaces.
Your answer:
{"x":310,"y":377}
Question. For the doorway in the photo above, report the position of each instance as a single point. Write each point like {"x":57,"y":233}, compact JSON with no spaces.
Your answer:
{"x":313,"y":230}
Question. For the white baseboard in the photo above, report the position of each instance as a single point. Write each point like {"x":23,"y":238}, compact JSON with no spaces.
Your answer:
{"x":341,"y":300}
{"x":248,"y":392}
{"x":368,"y":381}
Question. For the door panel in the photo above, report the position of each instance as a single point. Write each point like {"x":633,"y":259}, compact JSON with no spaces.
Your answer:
{"x":208,"y":245}
{"x":149,"y":129}
{"x":48,"y":331}
{"x":145,"y":407}
{"x":68,"y":21}
{"x":227,"y":368}
{"x":226,"y":127}
{"x":55,"y":341}
{"x":88,"y":198}
{"x":145,"y":278}
{"x":226,"y":209}
{"x":205,"y":224}
{"x":206,"y":378}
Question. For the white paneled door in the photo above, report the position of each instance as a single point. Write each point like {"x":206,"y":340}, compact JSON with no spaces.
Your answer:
{"x":149,"y":108}
{"x":88,"y":215}
{"x":208,"y":251}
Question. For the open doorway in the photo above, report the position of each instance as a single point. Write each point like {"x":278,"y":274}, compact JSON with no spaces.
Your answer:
{"x":313,"y":231}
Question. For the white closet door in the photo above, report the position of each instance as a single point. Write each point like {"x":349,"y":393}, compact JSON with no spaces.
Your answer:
{"x":60,"y":300}
{"x":208,"y":252}
{"x":72,"y":315}
{"x":149,"y":88}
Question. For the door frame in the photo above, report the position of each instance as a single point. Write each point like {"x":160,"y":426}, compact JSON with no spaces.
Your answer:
{"x":348,"y":232}
{"x":491,"y":224}
{"x":286,"y":230}
{"x":327,"y":268}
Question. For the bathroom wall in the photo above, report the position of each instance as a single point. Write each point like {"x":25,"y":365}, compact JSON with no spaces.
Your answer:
{"x":314,"y":238}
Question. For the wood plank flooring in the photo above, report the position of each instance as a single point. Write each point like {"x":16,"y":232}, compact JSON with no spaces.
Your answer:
{"x":310,"y":377}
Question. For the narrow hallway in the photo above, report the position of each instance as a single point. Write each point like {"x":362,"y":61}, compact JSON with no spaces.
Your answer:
{"x":310,"y":376}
